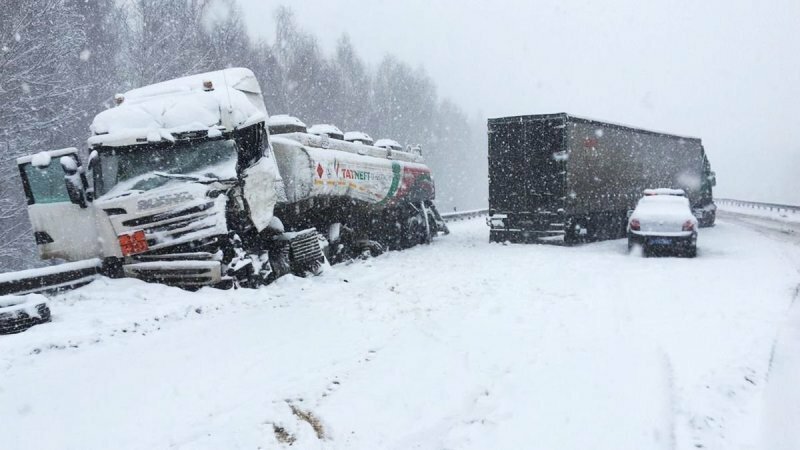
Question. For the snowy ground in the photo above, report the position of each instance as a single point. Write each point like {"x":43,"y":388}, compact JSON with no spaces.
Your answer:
{"x":458,"y":345}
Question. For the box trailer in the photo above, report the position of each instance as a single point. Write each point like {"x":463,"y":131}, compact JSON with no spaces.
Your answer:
{"x":557,"y":175}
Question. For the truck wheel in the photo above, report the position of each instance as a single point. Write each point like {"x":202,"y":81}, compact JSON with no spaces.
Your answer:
{"x":570,"y":234}
{"x":17,"y":314}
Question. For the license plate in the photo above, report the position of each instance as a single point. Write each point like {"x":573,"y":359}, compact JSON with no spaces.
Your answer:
{"x":660,"y":241}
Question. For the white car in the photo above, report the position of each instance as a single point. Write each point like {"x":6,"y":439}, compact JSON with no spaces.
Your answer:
{"x":663,"y":222}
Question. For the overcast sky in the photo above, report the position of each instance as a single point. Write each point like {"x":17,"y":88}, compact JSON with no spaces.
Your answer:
{"x":725,"y":71}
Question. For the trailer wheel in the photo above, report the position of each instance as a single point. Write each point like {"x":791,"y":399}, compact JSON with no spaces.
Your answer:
{"x":570,"y":233}
{"x":17,"y":314}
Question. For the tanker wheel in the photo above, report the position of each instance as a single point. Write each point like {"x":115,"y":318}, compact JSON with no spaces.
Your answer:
{"x":416,"y":232}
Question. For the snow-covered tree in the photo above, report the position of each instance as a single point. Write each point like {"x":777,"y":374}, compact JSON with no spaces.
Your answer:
{"x":40,"y":43}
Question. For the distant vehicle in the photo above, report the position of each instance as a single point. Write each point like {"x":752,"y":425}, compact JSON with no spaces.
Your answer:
{"x":324,"y":129}
{"x":663,"y":222}
{"x":285,"y":124}
{"x":554,"y":175}
{"x":358,"y":137}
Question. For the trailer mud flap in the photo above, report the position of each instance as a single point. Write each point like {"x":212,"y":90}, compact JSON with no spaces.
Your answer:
{"x":50,"y":279}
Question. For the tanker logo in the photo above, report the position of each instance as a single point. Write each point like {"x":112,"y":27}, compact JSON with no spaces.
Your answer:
{"x":352,"y":174}
{"x":320,"y":170}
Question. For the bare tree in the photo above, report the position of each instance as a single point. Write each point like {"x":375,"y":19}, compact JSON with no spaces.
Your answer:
{"x":39,"y":46}
{"x":164,"y":40}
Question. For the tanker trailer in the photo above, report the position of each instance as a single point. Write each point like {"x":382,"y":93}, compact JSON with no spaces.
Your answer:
{"x":367,"y":199}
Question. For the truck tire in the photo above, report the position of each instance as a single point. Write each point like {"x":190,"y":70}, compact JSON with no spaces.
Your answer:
{"x":570,"y":234}
{"x":17,"y":314}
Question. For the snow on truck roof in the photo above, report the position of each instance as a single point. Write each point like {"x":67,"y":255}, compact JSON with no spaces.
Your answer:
{"x":569,"y":117}
{"x":388,"y":143}
{"x":325,"y":128}
{"x":357,"y":136}
{"x":280,"y":120}
{"x":221,"y":100}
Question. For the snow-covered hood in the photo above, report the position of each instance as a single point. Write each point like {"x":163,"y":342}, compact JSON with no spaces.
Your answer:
{"x":153,"y":113}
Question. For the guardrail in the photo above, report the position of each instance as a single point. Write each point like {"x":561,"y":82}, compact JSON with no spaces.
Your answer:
{"x":463,"y":215}
{"x":758,"y":205}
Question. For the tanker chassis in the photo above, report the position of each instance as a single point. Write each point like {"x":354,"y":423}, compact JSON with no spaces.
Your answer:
{"x":182,"y":184}
{"x":555,"y":175}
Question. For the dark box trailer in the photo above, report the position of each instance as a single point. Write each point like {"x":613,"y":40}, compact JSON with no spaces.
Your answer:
{"x":554,"y":175}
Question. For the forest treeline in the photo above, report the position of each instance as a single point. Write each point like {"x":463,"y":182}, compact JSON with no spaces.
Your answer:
{"x":61,"y":62}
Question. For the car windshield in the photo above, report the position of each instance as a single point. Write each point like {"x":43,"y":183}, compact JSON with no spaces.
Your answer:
{"x":142,"y":167}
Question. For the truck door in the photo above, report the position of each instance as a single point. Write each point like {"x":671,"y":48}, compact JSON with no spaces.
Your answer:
{"x":63,"y":222}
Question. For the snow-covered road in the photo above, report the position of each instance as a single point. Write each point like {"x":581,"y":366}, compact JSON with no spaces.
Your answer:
{"x":459,"y":345}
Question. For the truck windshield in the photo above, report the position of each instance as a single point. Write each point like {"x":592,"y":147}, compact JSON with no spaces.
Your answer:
{"x":136,"y":167}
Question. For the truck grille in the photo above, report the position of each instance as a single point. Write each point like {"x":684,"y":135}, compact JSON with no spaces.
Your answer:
{"x":194,"y":224}
{"x":305,"y":252}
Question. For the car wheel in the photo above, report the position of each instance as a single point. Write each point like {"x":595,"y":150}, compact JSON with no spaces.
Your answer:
{"x":691,"y":252}
{"x":17,"y":314}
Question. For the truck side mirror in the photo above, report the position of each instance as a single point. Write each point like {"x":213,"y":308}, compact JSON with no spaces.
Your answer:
{"x":72,"y":180}
{"x":91,"y":166}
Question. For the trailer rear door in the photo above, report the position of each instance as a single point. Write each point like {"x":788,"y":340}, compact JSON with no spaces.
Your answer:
{"x":527,"y":164}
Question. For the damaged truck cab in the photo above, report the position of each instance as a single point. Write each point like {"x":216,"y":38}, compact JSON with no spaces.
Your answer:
{"x":179,"y":187}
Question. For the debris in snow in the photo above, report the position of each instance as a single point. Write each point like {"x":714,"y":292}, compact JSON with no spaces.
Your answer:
{"x":14,"y":305}
{"x":282,"y":435}
{"x":308,"y":417}
{"x":85,"y":54}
